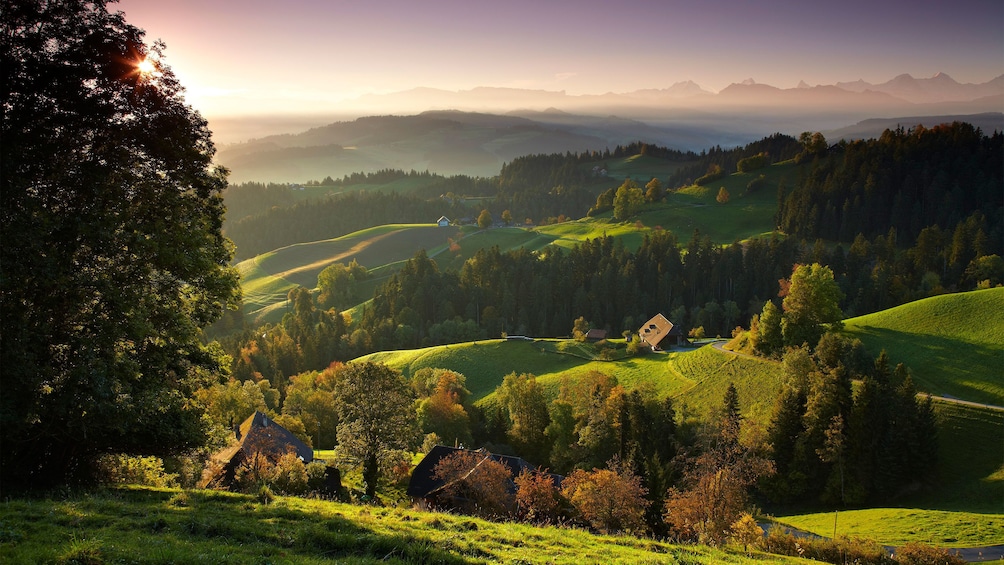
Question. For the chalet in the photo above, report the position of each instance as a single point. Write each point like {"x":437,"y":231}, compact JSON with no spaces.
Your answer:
{"x":426,"y":491}
{"x":443,"y":222}
{"x":595,"y":334}
{"x":655,"y":332}
{"x":257,"y":434}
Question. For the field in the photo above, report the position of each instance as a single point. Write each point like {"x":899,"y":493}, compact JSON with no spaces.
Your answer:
{"x":268,"y":278}
{"x":898,"y":526}
{"x":695,"y":378}
{"x":173,"y":526}
{"x":953,"y":343}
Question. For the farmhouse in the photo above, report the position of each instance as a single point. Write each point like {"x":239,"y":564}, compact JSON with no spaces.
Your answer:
{"x":596,"y":334}
{"x":443,"y":222}
{"x":257,"y":434}
{"x":426,"y":491}
{"x":655,"y":332}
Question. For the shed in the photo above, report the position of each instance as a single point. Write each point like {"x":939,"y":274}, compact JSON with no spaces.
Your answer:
{"x":443,"y":222}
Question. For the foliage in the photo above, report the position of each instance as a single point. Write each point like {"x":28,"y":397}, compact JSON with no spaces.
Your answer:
{"x":717,"y":481}
{"x":610,"y":500}
{"x":845,"y":448}
{"x":627,"y":200}
{"x":109,"y":191}
{"x":907,"y":180}
{"x":126,"y":469}
{"x":536,"y":496}
{"x":723,"y":196}
{"x":746,"y":532}
{"x":812,"y":300}
{"x":478,"y":480}
{"x":749,"y":164}
{"x":526,"y":408}
{"x":485,"y":219}
{"x":373,"y":403}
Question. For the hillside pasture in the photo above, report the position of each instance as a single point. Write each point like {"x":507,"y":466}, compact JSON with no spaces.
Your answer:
{"x":156,"y":525}
{"x":952,"y":343}
{"x":695,"y":378}
{"x":268,"y":278}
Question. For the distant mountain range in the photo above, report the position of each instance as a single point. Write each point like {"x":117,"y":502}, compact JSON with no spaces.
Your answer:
{"x":904,"y":90}
{"x":475,"y":131}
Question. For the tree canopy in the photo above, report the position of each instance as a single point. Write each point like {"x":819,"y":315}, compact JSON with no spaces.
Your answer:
{"x":374,"y":405}
{"x":113,"y":256}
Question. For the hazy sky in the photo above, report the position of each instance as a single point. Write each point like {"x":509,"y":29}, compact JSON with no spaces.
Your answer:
{"x":257,"y":56}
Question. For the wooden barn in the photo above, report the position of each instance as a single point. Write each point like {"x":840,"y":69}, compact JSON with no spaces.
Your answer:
{"x":257,"y":434}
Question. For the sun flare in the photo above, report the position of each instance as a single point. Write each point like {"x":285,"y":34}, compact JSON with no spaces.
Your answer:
{"x":146,"y":67}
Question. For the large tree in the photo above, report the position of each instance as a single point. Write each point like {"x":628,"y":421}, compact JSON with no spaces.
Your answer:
{"x":376,"y":416}
{"x":112,"y":257}
{"x":813,"y":299}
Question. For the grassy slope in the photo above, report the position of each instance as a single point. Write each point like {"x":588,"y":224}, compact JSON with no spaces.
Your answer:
{"x":171,"y":526}
{"x":697,"y":379}
{"x":269,"y":277}
{"x":953,"y":343}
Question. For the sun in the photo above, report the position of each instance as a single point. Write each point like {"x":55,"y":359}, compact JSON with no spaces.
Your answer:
{"x":146,"y":67}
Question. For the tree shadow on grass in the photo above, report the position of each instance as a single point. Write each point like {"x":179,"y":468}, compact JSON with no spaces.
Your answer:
{"x":154,"y":525}
{"x":939,"y":365}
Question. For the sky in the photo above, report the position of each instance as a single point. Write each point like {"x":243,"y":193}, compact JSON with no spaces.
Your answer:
{"x":257,"y":57}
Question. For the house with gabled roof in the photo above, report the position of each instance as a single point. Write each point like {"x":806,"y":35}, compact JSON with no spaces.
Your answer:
{"x":655,"y":332}
{"x":257,"y":434}
{"x":427,"y":491}
{"x":443,"y":222}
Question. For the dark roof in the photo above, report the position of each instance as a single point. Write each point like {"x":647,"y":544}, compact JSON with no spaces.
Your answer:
{"x":261,"y":433}
{"x":596,"y":334}
{"x":422,"y":482}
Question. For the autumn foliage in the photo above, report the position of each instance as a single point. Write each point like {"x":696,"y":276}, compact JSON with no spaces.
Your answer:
{"x":610,"y":500}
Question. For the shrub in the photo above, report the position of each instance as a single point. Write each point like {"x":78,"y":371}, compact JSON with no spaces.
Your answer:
{"x":752,"y":163}
{"x":915,"y":553}
{"x":610,"y":500}
{"x":536,"y":496}
{"x":126,"y":469}
{"x":290,"y":475}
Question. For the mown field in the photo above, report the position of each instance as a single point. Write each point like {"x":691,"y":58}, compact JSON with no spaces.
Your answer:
{"x":151,"y":525}
{"x":953,"y":343}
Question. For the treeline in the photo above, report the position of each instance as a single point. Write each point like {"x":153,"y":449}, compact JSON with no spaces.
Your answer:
{"x":908,"y":180}
{"x":775,"y":148}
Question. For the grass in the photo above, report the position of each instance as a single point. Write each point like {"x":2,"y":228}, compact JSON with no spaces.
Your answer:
{"x":695,"y":378}
{"x":898,"y":526}
{"x":966,"y":509}
{"x":151,"y":525}
{"x":953,"y":343}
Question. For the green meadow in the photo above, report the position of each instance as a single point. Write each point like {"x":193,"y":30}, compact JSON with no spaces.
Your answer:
{"x":151,"y":525}
{"x":952,"y":343}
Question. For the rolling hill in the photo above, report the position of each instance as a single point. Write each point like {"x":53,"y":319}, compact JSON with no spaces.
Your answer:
{"x":268,"y":278}
{"x":953,"y":343}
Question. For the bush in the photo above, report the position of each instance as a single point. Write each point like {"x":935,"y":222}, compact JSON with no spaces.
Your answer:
{"x":752,"y":163}
{"x":915,"y":553}
{"x":290,"y":475}
{"x":838,"y":551}
{"x":126,"y":469}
